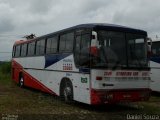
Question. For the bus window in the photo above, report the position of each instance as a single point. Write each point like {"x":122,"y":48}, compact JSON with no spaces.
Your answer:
{"x":66,"y":42}
{"x":155,"y":49}
{"x":40,"y":47}
{"x":52,"y":45}
{"x":137,"y":51}
{"x":85,"y":44}
{"x":154,"y":52}
{"x":31,"y":49}
{"x":82,"y":50}
{"x":24,"y":50}
{"x":13,"y":53}
{"x":111,"y":50}
{"x":17,"y":52}
{"x":77,"y":50}
{"x":158,"y":51}
{"x":69,"y":41}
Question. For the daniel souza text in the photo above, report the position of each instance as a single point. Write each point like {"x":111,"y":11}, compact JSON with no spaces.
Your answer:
{"x":143,"y":117}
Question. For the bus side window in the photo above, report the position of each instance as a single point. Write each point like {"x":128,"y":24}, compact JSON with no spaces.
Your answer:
{"x":51,"y":46}
{"x":69,"y":41}
{"x":40,"y":47}
{"x":24,"y":50}
{"x":77,"y":50}
{"x":13,"y":52}
{"x":85,"y":51}
{"x":66,"y":42}
{"x":82,"y":50}
{"x":154,"y":52}
{"x":31,"y":49}
{"x":17,"y":51}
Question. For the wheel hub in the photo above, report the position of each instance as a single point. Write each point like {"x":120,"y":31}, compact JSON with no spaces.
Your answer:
{"x":21,"y":81}
{"x":67,"y":93}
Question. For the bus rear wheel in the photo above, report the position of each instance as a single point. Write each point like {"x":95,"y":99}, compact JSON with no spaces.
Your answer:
{"x":21,"y":81}
{"x":67,"y":92}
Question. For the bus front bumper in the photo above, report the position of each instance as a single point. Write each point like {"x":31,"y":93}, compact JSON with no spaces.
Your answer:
{"x":118,"y":96}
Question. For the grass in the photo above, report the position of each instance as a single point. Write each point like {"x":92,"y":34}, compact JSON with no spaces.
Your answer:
{"x":26,"y":103}
{"x":153,"y":106}
{"x":5,"y":79}
{"x":5,"y":73}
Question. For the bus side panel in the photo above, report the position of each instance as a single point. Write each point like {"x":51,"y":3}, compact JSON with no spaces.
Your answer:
{"x":42,"y":80}
{"x":32,"y":81}
{"x":80,"y":81}
{"x":16,"y":69}
{"x":81,"y":86}
{"x":155,"y":77}
{"x":38,"y":77}
{"x":29,"y":76}
{"x":52,"y":80}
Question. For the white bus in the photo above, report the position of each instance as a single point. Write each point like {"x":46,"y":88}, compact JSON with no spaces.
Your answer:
{"x":155,"y":66}
{"x":89,"y":63}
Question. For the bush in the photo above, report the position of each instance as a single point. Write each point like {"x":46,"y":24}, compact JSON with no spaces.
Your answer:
{"x":5,"y":67}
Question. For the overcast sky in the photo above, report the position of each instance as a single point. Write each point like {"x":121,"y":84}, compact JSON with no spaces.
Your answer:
{"x":21,"y":17}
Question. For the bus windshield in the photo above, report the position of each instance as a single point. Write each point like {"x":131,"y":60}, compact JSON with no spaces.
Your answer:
{"x":137,"y":50}
{"x":119,"y":49}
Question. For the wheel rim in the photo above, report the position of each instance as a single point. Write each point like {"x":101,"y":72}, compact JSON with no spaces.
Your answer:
{"x":21,"y":81}
{"x":67,"y":93}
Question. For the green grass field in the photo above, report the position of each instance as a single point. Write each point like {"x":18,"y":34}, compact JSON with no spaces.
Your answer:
{"x":5,"y":73}
{"x":26,"y":103}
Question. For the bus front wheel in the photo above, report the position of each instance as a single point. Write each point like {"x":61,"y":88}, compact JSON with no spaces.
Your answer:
{"x":67,"y":91}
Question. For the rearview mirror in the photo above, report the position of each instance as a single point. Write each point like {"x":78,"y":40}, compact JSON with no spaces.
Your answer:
{"x":94,"y":44}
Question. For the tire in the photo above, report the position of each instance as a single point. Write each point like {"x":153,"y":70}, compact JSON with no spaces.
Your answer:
{"x":67,"y":92}
{"x":21,"y":81}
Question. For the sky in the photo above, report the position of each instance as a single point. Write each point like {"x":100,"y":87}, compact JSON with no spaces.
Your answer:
{"x":23,"y":17}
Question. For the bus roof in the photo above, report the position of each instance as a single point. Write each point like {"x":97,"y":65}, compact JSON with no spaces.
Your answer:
{"x":94,"y":26}
{"x":104,"y":26}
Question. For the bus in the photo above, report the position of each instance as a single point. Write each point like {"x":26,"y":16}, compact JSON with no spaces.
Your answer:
{"x":155,"y":66}
{"x":90,"y":63}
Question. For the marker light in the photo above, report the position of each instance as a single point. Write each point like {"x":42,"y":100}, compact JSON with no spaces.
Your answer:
{"x":98,"y":78}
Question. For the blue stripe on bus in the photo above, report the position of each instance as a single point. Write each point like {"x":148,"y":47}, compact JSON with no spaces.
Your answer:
{"x":155,"y":59}
{"x":84,"y":70}
{"x":53,"y":58}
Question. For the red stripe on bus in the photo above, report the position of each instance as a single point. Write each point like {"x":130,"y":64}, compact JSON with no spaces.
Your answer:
{"x":29,"y":80}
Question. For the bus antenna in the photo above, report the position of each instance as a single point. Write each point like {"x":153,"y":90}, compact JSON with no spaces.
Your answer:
{"x":31,"y":36}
